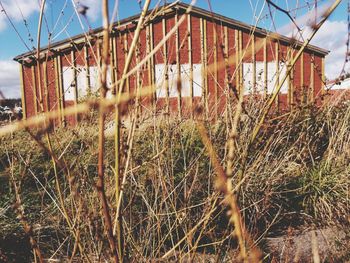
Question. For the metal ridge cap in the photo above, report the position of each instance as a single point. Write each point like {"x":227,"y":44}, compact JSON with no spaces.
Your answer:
{"x":184,"y":6}
{"x":91,"y":33}
{"x":246,"y":26}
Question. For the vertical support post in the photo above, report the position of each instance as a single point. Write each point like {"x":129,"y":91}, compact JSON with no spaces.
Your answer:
{"x":151,"y":65}
{"x":115,"y":65}
{"x":312,"y":80}
{"x":302,"y":72}
{"x":139,"y":81}
{"x":37,"y":70}
{"x":265,"y":69}
{"x":278,"y":72}
{"x":23,"y":97}
{"x":216,"y":93}
{"x":203,"y":29}
{"x":190,"y":60}
{"x":290,"y":79}
{"x":98,"y":54}
{"x":73,"y":65}
{"x":238,"y":81}
{"x":112,"y":61}
{"x":241,"y":59}
{"x":61,"y":92}
{"x":166,"y":69}
{"x":323,"y":91}
{"x":227,"y":88}
{"x":126,"y":51}
{"x":178,"y":67}
{"x":87,"y":69}
{"x":254,"y":63}
{"x":57,"y":87}
{"x":46,"y":92}
{"x":34,"y":89}
{"x":302,"y":85}
{"x":111,"y":53}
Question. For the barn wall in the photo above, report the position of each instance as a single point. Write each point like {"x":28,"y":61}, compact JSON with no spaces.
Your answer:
{"x":220,"y":58}
{"x":29,"y":92}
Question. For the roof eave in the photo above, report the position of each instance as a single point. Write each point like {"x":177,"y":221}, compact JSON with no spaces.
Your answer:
{"x":184,"y":7}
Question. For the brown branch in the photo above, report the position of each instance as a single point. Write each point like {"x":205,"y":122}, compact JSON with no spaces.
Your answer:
{"x":101,"y":137}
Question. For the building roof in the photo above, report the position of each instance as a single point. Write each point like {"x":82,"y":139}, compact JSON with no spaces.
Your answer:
{"x":63,"y":44}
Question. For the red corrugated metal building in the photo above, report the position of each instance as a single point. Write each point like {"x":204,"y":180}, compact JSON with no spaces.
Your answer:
{"x":209,"y":53}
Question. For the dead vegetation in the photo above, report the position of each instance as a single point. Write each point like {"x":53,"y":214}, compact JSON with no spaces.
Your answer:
{"x":297,"y":177}
{"x":168,"y":189}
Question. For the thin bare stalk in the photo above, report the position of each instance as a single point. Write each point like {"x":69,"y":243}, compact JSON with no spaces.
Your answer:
{"x":28,"y":229}
{"x":101,"y":138}
{"x":117,"y":225}
{"x":223,"y":186}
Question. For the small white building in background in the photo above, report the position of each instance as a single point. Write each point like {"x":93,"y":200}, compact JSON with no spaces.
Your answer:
{"x":338,"y":84}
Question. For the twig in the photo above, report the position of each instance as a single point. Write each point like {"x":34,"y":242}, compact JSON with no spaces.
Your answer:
{"x":101,"y":137}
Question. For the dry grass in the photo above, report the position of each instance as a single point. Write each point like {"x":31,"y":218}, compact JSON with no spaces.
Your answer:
{"x":296,"y":176}
{"x":165,"y":189}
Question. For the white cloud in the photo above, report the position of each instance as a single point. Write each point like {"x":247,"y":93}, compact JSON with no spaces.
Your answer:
{"x":15,"y":9}
{"x":9,"y":79}
{"x":332,"y":36}
{"x":94,"y":10}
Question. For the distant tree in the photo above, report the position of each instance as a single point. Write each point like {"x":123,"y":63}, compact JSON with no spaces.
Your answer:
{"x":11,"y":103}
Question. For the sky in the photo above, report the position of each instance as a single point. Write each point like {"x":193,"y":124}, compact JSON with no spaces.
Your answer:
{"x":19,"y":22}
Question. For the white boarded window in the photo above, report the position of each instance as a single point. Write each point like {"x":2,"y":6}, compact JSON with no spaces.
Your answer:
{"x":161,"y":91}
{"x":82,"y":83}
{"x":82,"y":76}
{"x":260,"y":77}
{"x":248,"y":78}
{"x":275,"y":73}
{"x":109,"y":94}
{"x":272,"y":74}
{"x":95,"y":80}
{"x":68,"y":84}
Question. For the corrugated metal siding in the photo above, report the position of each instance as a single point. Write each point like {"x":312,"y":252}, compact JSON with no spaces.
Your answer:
{"x":211,"y":43}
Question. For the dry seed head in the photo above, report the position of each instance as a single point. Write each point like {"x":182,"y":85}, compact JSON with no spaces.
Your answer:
{"x":199,"y":109}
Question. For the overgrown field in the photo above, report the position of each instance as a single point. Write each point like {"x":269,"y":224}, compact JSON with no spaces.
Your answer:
{"x":296,"y":178}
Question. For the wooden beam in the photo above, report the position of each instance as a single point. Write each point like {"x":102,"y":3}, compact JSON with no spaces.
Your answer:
{"x":23,"y":97}
{"x":227,"y":87}
{"x":151,"y":68}
{"x":311,"y":97}
{"x":38,"y":72}
{"x":87,"y":69}
{"x":278,"y":71}
{"x":203,"y":30}
{"x":34,"y":89}
{"x":254,"y":63}
{"x":61,"y":91}
{"x":302,"y":84}
{"x":126,"y":51}
{"x":215,"y":51}
{"x":57,"y":87}
{"x":241,"y":59}
{"x":165,"y":73}
{"x":46,"y":91}
{"x":323,"y":91}
{"x":237,"y":48}
{"x":190,"y":60}
{"x":139,"y":80}
{"x":112,"y":55}
{"x":178,"y":66}
{"x":73,"y":65}
{"x":290,"y":78}
{"x":265,"y":69}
